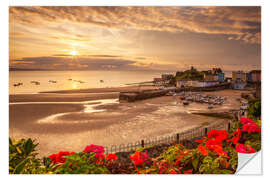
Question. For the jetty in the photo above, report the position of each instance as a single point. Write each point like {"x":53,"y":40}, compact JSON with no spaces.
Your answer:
{"x":141,"y":95}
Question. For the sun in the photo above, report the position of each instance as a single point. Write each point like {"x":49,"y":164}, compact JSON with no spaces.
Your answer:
{"x":73,"y":53}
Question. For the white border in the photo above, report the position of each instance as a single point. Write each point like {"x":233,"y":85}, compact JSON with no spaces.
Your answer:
{"x":5,"y":55}
{"x":137,"y":2}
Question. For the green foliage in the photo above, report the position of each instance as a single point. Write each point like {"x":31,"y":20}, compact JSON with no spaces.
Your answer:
{"x":254,"y":108}
{"x":191,"y":74}
{"x":23,"y":160}
{"x":82,"y":163}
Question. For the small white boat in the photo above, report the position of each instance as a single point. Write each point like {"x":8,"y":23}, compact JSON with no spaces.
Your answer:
{"x":35,"y":82}
{"x":185,"y":103}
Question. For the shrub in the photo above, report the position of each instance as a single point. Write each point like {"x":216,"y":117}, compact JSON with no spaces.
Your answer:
{"x":23,"y":160}
{"x":254,"y":108}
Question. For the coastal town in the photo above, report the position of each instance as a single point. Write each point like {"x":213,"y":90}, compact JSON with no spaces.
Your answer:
{"x":196,"y":81}
{"x":194,"y":78}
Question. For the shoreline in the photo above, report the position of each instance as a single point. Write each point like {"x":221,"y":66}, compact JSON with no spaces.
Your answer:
{"x":76,"y":94}
{"x":104,"y":90}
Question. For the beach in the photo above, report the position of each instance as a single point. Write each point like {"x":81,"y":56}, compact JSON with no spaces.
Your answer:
{"x":71,"y":119}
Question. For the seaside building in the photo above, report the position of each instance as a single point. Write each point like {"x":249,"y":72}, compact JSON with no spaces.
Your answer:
{"x":228,"y":79}
{"x":239,"y":85}
{"x":181,"y":83}
{"x":159,"y":81}
{"x":209,"y":77}
{"x":239,"y":79}
{"x":249,"y":79}
{"x":191,"y":83}
{"x":215,"y":74}
{"x":221,"y":77}
{"x":239,"y":76}
{"x":167,"y":76}
{"x":255,"y":75}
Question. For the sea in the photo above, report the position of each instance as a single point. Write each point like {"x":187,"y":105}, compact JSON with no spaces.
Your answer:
{"x":65,"y":80}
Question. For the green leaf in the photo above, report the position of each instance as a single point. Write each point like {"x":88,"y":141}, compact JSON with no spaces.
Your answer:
{"x":18,"y":169}
{"x":29,"y":146}
{"x":195,"y":163}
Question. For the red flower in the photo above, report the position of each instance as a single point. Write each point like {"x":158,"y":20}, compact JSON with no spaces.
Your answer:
{"x":188,"y":171}
{"x":111,"y":157}
{"x":251,"y":127}
{"x":244,"y":120}
{"x":250,"y":149}
{"x":98,"y":150}
{"x":139,"y":158}
{"x":60,"y":157}
{"x":213,"y":133}
{"x":173,"y":172}
{"x":219,"y":136}
{"x":203,"y":150}
{"x":237,"y":132}
{"x":235,"y":140}
{"x":199,"y":141}
{"x":241,"y":148}
{"x":213,"y":145}
{"x":219,"y":150}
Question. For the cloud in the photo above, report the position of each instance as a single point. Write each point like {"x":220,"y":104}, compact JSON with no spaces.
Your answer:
{"x":239,"y":23}
{"x":71,"y":63}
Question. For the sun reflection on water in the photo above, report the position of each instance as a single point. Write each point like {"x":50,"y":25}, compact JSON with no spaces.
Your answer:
{"x":74,"y":85}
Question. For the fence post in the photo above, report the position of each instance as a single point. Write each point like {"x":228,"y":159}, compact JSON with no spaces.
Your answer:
{"x":177,"y":138}
{"x":142,"y":143}
{"x":229,"y":126}
{"x":205,"y":131}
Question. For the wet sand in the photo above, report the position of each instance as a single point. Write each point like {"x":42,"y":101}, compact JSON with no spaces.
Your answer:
{"x":71,"y":121}
{"x":76,"y":95}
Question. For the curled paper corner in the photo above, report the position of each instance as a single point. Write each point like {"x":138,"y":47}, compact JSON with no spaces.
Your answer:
{"x":249,"y":164}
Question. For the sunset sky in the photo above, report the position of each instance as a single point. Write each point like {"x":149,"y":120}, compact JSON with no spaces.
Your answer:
{"x":135,"y":38}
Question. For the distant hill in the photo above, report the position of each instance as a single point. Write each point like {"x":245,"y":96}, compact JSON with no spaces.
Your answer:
{"x":25,"y":69}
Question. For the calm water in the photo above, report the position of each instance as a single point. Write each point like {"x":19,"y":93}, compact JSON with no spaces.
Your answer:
{"x":91,"y":79}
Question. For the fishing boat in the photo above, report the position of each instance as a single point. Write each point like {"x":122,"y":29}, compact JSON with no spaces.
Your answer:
{"x":210,"y":107}
{"x":17,"y":84}
{"x":35,"y":82}
{"x":185,"y":103}
{"x":170,"y":93}
{"x":101,"y":81}
{"x":52,"y":81}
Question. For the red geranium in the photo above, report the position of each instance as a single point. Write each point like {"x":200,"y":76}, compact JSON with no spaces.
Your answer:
{"x":218,"y":135}
{"x":98,"y":150}
{"x":199,"y":141}
{"x":245,"y":120}
{"x":214,"y":145}
{"x":111,"y":157}
{"x":139,"y":158}
{"x":188,"y":171}
{"x":203,"y":150}
{"x":241,"y":148}
{"x":237,"y":132}
{"x":60,"y":157}
{"x":251,"y":127}
{"x":173,"y":172}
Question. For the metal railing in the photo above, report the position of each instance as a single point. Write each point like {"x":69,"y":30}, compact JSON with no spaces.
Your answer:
{"x":188,"y":135}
